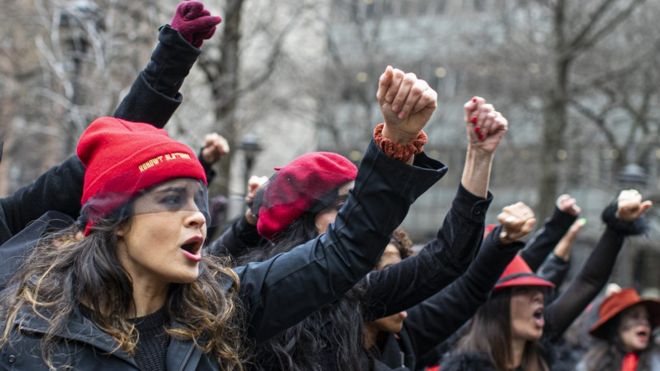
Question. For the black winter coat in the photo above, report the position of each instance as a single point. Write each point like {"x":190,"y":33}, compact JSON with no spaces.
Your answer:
{"x":435,"y":319}
{"x":276,"y":293}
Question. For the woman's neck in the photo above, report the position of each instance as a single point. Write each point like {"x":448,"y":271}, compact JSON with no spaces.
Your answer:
{"x":148,"y":297}
{"x":517,"y":350}
{"x":370,"y":336}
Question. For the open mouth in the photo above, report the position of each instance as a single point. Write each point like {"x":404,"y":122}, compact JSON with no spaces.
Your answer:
{"x":192,"y":248}
{"x":643,"y":333}
{"x":538,"y":313}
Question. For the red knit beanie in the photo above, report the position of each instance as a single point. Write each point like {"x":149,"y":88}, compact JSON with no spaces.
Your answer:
{"x":296,"y":187}
{"x":122,"y":158}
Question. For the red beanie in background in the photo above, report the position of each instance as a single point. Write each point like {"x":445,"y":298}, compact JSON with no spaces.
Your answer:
{"x":122,"y":158}
{"x":296,"y":187}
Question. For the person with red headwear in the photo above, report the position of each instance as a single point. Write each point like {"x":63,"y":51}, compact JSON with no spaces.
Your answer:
{"x":153,"y":98}
{"x":624,"y":330}
{"x":514,"y":330}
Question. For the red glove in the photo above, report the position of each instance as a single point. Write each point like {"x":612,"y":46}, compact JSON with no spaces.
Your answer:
{"x":194,"y":22}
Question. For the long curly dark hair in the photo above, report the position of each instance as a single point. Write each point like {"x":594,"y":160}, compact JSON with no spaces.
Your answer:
{"x":332,"y":334}
{"x":66,"y":270}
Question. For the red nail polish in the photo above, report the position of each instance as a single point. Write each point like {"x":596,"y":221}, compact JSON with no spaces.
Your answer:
{"x":474,"y":100}
{"x":481,"y":137}
{"x":473,"y":120}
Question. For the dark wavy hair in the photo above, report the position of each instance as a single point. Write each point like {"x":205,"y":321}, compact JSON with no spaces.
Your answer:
{"x":67,"y":270}
{"x":608,"y":354}
{"x":331,"y":334}
{"x":490,"y":334}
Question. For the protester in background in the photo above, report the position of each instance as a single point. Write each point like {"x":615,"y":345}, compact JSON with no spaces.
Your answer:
{"x":625,"y":334}
{"x":556,"y":265}
{"x":541,"y":244}
{"x":399,"y":341}
{"x":514,"y":330}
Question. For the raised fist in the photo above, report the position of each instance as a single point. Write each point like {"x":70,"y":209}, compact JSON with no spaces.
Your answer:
{"x":215,"y":146}
{"x":630,"y":205}
{"x":517,"y":221}
{"x":485,"y":126}
{"x":194,"y":23}
{"x":406,"y":102}
{"x":568,"y":205}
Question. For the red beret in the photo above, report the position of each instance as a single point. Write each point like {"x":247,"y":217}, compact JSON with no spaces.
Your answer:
{"x":296,"y":187}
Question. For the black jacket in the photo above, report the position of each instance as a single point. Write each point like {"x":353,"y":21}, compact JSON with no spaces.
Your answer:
{"x":153,"y":98}
{"x":435,"y":319}
{"x":276,"y":293}
{"x":545,"y":239}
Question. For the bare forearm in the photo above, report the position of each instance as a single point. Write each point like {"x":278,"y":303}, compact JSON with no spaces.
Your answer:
{"x":476,"y":173}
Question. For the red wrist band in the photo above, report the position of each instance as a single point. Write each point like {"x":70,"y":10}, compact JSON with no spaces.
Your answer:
{"x":397,"y":151}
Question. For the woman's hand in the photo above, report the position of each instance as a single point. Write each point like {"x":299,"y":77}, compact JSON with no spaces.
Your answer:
{"x":630,"y":205}
{"x":517,"y":221}
{"x":485,"y":126}
{"x":407,"y":104}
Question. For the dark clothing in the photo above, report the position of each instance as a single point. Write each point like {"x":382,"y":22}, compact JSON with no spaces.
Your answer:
{"x":554,"y":269}
{"x":152,"y":343}
{"x":327,"y":338}
{"x":434,"y":320}
{"x":237,"y":240}
{"x":60,"y":188}
{"x":403,"y":285}
{"x":581,"y":291}
{"x":545,"y":239}
{"x":276,"y":293}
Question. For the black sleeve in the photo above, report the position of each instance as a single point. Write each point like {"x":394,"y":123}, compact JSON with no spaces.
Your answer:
{"x":434,"y":320}
{"x":280,"y":292}
{"x":237,"y":240}
{"x":59,"y":188}
{"x":586,"y":285}
{"x":154,"y":96}
{"x":208,"y":168}
{"x":440,"y":262}
{"x":554,"y":269}
{"x":546,"y":238}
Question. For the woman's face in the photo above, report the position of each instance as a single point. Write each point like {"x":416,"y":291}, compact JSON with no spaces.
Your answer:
{"x":162,"y":242}
{"x":527,"y":313}
{"x":635,"y":328}
{"x":393,"y":323}
{"x":328,"y":215}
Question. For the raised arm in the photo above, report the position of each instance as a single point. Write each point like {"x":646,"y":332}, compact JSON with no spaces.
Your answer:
{"x":283,"y":290}
{"x":403,"y":285}
{"x":556,"y":266}
{"x":621,"y":218}
{"x":152,"y":100}
{"x":434,"y":320}
{"x":545,"y":239}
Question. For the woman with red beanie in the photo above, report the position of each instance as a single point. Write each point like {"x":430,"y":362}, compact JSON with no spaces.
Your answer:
{"x":128,"y":288}
{"x":624,"y":331}
{"x":514,"y":330}
{"x":152,"y":99}
{"x":301,"y":202}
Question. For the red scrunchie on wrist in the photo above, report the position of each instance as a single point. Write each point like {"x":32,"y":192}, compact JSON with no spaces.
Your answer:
{"x":397,"y":151}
